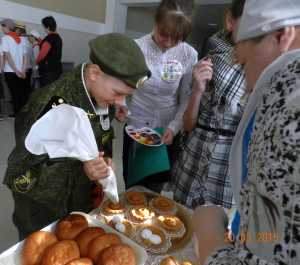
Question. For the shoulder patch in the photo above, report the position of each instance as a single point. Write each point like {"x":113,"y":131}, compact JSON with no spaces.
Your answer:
{"x":54,"y":101}
{"x":24,"y":183}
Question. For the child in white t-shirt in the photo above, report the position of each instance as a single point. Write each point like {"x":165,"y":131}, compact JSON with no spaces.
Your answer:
{"x":21,"y":32}
{"x":14,"y":64}
{"x":17,"y":53}
{"x":1,"y":87}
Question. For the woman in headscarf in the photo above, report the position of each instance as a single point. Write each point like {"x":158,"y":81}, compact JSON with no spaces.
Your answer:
{"x":265,"y":156}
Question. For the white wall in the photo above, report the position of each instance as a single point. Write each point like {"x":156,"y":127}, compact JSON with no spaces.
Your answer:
{"x":94,"y":11}
{"x":75,"y":43}
{"x":151,"y":2}
{"x":136,"y":15}
{"x":75,"y":32}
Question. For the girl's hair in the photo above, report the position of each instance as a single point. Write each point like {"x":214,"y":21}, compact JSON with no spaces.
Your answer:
{"x":174,"y":18}
{"x":236,"y":8}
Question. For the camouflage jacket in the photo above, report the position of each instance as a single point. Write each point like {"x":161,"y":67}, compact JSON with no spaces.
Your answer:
{"x":56,"y":184}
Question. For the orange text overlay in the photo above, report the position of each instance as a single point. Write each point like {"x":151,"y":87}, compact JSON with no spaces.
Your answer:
{"x":260,"y":237}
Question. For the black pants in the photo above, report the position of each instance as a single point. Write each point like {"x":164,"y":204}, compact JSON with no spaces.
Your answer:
{"x":156,"y":181}
{"x":17,"y":87}
{"x":28,"y":82}
{"x":1,"y":95}
{"x":47,"y":78}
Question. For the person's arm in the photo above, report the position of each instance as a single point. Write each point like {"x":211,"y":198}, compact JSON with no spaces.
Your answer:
{"x":96,"y":169}
{"x":1,"y":63}
{"x":191,"y":113}
{"x":7,"y":56}
{"x":212,"y":244}
{"x":210,"y":227}
{"x":202,"y":73}
{"x":43,"y":52}
{"x":184,"y":92}
{"x":24,"y":63}
{"x":121,"y":111}
{"x":10,"y":61}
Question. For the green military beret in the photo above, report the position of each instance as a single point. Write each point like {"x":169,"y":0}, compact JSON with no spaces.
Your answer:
{"x":120,"y":56}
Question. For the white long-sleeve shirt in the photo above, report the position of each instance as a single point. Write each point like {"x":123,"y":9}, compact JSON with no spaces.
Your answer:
{"x":29,"y":52}
{"x":162,"y":100}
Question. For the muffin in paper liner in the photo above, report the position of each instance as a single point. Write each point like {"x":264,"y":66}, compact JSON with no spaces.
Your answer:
{"x":135,"y":198}
{"x":163,"y":205}
{"x":172,"y":225}
{"x":110,"y":209}
{"x":140,"y":214}
{"x":129,"y":229}
{"x":162,"y":260}
{"x":156,"y":248}
{"x":173,"y":259}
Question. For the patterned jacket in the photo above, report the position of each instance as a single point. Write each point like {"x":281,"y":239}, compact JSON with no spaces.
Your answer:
{"x":220,"y":106}
{"x":270,"y":198}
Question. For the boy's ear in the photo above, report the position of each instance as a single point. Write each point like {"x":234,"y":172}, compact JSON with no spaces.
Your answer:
{"x":93,"y":72}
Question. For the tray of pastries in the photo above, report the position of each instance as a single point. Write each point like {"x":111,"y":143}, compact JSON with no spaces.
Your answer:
{"x":155,"y":222}
{"x":77,"y":239}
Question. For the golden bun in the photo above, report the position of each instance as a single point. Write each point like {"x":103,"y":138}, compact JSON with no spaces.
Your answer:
{"x":120,"y":254}
{"x":70,"y":226}
{"x":82,"y":261}
{"x":61,"y":253}
{"x":102,"y":242}
{"x":169,"y":261}
{"x":86,"y":236}
{"x":35,"y":246}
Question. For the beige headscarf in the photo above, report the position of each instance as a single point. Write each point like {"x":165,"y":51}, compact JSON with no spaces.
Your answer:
{"x":264,"y":16}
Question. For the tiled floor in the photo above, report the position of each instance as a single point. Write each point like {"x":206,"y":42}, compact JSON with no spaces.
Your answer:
{"x":8,"y":233}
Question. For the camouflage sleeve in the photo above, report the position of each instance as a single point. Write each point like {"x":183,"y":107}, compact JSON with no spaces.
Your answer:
{"x":20,"y":160}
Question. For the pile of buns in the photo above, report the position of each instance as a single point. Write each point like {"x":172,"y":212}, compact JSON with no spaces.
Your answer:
{"x":74,"y":243}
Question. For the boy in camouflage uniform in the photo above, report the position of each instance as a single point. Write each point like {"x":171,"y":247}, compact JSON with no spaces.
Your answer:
{"x":47,"y":189}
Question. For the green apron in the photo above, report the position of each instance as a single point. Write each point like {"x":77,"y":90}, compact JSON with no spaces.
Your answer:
{"x":145,"y":160}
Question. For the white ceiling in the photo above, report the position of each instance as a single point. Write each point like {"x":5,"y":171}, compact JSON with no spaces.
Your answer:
{"x":212,"y":2}
{"x":155,"y":2}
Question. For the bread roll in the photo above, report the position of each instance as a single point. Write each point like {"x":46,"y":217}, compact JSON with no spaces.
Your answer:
{"x":70,"y":226}
{"x":121,"y":254}
{"x":35,"y":246}
{"x":101,"y":242}
{"x":86,"y":236}
{"x":61,"y":253}
{"x":82,"y":261}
